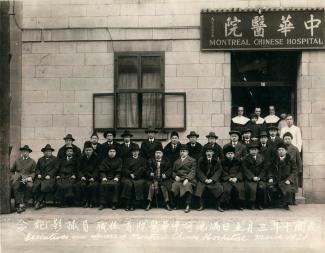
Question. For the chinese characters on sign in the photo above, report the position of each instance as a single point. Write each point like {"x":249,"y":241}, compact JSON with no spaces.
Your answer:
{"x":264,"y":30}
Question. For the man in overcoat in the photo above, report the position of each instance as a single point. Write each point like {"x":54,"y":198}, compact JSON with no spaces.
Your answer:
{"x":68,"y":139}
{"x":212,"y":141}
{"x":126,"y":146}
{"x":184,"y":175}
{"x":46,"y":169}
{"x":171,"y":150}
{"x":209,"y":173}
{"x":109,"y":136}
{"x":149,"y":145}
{"x":240,"y":149}
{"x":194,"y":147}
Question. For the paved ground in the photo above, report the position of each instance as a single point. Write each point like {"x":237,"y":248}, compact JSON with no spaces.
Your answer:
{"x":88,"y":230}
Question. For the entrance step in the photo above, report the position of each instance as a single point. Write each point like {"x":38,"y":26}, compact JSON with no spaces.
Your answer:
{"x":300,"y":199}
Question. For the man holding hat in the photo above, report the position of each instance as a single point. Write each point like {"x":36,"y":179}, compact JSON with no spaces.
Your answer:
{"x":254,"y":171}
{"x":172,"y":149}
{"x":184,"y":173}
{"x":68,"y":187}
{"x":127,"y":145}
{"x":109,"y":136}
{"x":240,"y":149}
{"x":232,"y":179}
{"x":134,"y":179}
{"x":88,"y":175}
{"x":69,"y":143}
{"x":22,"y":176}
{"x":212,"y":141}
{"x":110,"y":171}
{"x":194,"y":147}
{"x":46,"y":169}
{"x":209,"y":172}
{"x":282,"y":176}
{"x":95,"y":145}
{"x":160,"y":173}
{"x":149,"y":146}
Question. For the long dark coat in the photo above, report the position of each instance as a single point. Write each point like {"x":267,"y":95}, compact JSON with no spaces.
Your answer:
{"x":209,"y":170}
{"x":185,"y":170}
{"x":216,"y":149}
{"x":148,"y":148}
{"x":273,"y":144}
{"x":194,"y":151}
{"x":254,"y":168}
{"x":137,"y":167}
{"x":97,"y":149}
{"x":240,"y":149}
{"x":62,"y":154}
{"x":124,"y":151}
{"x":46,"y":167}
{"x":232,"y":169}
{"x":172,"y":154}
{"x":104,"y":149}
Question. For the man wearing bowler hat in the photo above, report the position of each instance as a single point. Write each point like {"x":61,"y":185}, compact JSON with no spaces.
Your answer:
{"x":109,"y":136}
{"x":126,"y":146}
{"x":46,"y":169}
{"x":69,"y":143}
{"x":88,"y":175}
{"x":149,"y":146}
{"x":22,"y":177}
{"x":255,"y":172}
{"x":212,"y":141}
{"x":282,"y":176}
{"x":208,"y":173}
{"x":171,"y":150}
{"x":110,"y":172}
{"x":240,"y":149}
{"x":194,"y":147}
{"x":184,"y":175}
{"x":134,"y":181}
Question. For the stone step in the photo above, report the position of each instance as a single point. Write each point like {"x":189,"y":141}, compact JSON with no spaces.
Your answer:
{"x":300,"y":199}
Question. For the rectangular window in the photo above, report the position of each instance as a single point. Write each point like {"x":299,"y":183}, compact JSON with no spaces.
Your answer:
{"x":139,"y":100}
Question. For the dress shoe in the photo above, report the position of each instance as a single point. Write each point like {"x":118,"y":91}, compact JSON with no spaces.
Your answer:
{"x":260,"y":207}
{"x":286,"y":207}
{"x":132,"y":208}
{"x":101,"y":207}
{"x":252,"y":207}
{"x":201,"y":208}
{"x":37,"y":205}
{"x":113,"y":207}
{"x":168,"y":207}
{"x":90,"y":205}
{"x":148,"y":207}
{"x":187,"y":209}
{"x":19,"y":210}
{"x":85,"y":205}
{"x":220,"y":209}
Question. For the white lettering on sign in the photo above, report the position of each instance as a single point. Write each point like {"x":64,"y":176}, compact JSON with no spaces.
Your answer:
{"x":231,"y":27}
{"x":258,"y":26}
{"x":311,"y":24}
{"x":286,"y":25}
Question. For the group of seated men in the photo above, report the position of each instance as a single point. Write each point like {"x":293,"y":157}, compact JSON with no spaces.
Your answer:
{"x":244,"y":173}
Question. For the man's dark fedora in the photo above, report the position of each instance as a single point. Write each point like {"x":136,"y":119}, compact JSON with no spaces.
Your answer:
{"x":212,"y":134}
{"x":26,"y":147}
{"x":47,"y":147}
{"x":234,"y":132}
{"x":193,"y":133}
{"x":109,"y":132}
{"x":126,"y":133}
{"x":69,"y":137}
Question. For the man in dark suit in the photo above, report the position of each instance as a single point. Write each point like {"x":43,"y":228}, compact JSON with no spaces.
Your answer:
{"x":110,"y":142}
{"x":274,"y":139}
{"x":254,"y":170}
{"x":171,"y":150}
{"x":282,"y":177}
{"x":88,"y":175}
{"x":149,"y":146}
{"x":97,"y":147}
{"x":69,"y":143}
{"x":212,"y":141}
{"x":160,"y":173}
{"x":194,"y":147}
{"x":110,"y":172}
{"x":246,"y":136}
{"x":68,"y":187}
{"x":134,"y":179}
{"x":240,"y":149}
{"x":184,"y":172}
{"x":46,"y":169}
{"x":232,"y":179}
{"x":127,"y":145}
{"x":208,"y":173}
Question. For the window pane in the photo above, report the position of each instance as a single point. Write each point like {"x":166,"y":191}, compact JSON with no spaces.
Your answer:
{"x":151,"y":72}
{"x":174,"y":111}
{"x":127,"y":110}
{"x":104,"y":112}
{"x":152,"y":110}
{"x":127,"y":72}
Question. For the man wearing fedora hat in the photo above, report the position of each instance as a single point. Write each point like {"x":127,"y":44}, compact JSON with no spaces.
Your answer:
{"x":160,"y":173}
{"x":126,"y":146}
{"x":246,"y":136}
{"x":88,"y":175}
{"x":240,"y":149}
{"x":134,"y":180}
{"x":109,"y":136}
{"x":149,"y":146}
{"x":282,"y":177}
{"x":68,"y":187}
{"x":194,"y":147}
{"x":232,"y":180}
{"x":254,"y":170}
{"x":171,"y":150}
{"x":208,"y":173}
{"x":46,"y":169}
{"x":68,"y":139}
{"x":110,"y":172}
{"x":274,"y":139}
{"x":22,"y":177}
{"x":212,"y":141}
{"x":184,"y":175}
